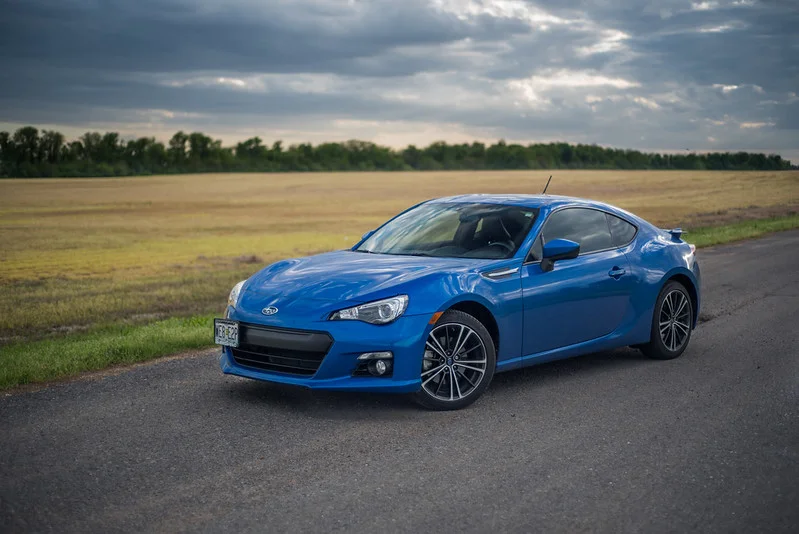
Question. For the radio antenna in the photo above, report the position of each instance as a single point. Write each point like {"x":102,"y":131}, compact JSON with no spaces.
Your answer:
{"x":547,"y":186}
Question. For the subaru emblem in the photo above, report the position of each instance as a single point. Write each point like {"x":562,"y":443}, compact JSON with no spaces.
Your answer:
{"x":271,"y":310}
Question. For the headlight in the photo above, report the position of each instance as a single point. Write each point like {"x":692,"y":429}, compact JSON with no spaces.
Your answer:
{"x":377,"y":312}
{"x":233,"y":298}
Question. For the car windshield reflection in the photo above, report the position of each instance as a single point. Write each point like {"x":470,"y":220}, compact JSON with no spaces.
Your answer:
{"x":452,"y":230}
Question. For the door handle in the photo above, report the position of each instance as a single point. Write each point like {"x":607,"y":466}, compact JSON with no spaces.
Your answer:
{"x":616,"y":272}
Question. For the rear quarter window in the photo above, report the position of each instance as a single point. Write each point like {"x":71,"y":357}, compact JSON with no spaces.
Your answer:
{"x":621,"y":231}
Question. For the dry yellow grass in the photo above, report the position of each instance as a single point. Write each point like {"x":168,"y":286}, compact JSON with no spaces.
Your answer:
{"x":76,"y":252}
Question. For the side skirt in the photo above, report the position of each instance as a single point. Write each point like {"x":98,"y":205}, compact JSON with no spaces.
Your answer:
{"x":608,"y":342}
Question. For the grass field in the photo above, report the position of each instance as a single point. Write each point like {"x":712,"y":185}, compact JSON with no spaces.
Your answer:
{"x":82,"y":258}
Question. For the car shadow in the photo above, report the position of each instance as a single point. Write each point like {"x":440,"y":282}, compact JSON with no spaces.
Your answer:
{"x":325,"y":404}
{"x":358,"y":406}
{"x":588,"y":364}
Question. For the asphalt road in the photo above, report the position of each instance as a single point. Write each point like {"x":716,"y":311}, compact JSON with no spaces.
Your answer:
{"x":610,"y":442}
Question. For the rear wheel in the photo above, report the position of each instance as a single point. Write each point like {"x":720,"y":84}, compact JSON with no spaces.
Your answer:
{"x":458,"y":364}
{"x":671,"y":324}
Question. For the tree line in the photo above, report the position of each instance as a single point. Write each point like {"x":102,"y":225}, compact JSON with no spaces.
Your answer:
{"x":29,"y":153}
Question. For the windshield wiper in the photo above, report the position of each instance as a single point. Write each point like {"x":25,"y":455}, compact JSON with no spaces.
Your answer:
{"x":425,"y":254}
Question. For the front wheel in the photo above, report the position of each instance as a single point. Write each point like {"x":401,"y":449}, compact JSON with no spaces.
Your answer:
{"x":671,"y":324}
{"x":458,"y":364}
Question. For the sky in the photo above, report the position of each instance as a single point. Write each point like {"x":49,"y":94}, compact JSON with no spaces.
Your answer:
{"x":659,"y":75}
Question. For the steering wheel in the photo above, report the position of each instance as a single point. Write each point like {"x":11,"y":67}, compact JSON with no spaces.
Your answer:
{"x":507,"y":245}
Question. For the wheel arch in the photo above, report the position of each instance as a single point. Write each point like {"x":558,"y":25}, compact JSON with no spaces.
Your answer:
{"x":481,"y":313}
{"x":690,"y":285}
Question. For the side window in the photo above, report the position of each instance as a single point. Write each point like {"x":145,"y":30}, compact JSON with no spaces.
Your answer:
{"x":622,"y":231}
{"x":587,"y":227}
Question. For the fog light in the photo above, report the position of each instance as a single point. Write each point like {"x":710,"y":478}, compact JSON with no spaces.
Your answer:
{"x":379,"y":367}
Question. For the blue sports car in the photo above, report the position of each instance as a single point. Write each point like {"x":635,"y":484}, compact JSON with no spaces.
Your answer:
{"x":453,"y":290}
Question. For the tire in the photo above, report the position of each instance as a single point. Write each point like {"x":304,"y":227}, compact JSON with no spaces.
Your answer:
{"x":673,"y":311}
{"x":440,"y":363}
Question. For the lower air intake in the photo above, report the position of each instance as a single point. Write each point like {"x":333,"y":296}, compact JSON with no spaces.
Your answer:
{"x":281,"y":350}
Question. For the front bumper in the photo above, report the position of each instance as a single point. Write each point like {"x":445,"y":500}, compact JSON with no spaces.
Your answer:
{"x":405,"y":338}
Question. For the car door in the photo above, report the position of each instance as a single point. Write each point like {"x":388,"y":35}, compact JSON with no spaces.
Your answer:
{"x":580,"y":299}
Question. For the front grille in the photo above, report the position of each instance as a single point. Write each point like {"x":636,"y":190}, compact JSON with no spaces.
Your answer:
{"x":281,"y":350}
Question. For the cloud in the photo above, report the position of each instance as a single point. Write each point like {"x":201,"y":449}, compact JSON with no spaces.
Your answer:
{"x":652,"y":74}
{"x":646,"y":102}
{"x":755,"y":125}
{"x":704,"y":6}
{"x":725,"y":88}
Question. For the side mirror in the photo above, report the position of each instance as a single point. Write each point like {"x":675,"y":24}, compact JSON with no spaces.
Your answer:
{"x":367,"y":235}
{"x":558,"y":249}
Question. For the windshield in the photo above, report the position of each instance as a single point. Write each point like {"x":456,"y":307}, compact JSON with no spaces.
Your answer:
{"x":488,"y":231}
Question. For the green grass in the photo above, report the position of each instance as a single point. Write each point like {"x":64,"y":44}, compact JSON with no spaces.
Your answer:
{"x":41,"y":361}
{"x":705,"y":237}
{"x":106,"y":346}
{"x":53,"y":306}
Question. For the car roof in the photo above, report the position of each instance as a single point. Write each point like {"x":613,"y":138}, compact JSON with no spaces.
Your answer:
{"x":527,"y":201}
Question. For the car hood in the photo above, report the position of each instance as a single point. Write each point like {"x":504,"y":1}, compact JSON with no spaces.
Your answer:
{"x":348,"y":276}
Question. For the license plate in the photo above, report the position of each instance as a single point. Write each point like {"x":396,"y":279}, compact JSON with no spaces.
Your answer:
{"x":226,"y":333}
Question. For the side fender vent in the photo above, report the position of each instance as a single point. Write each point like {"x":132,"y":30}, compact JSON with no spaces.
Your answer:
{"x":500,"y":273}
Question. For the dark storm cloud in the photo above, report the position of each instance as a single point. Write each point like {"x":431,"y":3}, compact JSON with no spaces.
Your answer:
{"x":170,"y":36}
{"x":716,"y":74}
{"x":789,"y":118}
{"x":755,"y":47}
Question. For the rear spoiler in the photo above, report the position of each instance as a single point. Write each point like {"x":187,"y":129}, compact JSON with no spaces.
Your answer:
{"x":676,"y":233}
